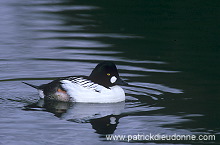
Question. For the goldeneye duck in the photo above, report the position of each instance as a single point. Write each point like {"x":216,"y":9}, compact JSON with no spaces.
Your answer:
{"x":100,"y":87}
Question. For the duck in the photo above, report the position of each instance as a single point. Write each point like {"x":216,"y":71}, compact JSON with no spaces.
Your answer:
{"x":101,"y":86}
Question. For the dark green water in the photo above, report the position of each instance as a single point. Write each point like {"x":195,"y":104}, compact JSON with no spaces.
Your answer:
{"x":168,"y":51}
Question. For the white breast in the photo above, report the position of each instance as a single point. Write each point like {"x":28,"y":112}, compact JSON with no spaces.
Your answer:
{"x":83,"y":90}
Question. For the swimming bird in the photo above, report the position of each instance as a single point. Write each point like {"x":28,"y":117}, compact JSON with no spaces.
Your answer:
{"x":101,"y":86}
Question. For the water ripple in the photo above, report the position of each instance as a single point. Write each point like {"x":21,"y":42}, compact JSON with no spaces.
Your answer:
{"x":159,"y":87}
{"x":58,"y":8}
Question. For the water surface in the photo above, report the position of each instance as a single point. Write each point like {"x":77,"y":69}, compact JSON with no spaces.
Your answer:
{"x":167,"y":51}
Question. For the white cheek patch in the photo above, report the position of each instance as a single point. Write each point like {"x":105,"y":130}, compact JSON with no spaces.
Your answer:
{"x":113,"y":79}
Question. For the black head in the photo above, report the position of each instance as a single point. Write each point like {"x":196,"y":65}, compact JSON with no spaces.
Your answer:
{"x":106,"y":74}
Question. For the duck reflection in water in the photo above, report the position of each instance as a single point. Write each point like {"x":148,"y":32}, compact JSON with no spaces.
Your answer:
{"x":104,"y":117}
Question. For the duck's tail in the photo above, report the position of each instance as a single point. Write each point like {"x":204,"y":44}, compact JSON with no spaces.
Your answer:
{"x":34,"y":86}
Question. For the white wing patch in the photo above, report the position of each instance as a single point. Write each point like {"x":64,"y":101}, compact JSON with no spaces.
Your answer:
{"x":88,"y":84}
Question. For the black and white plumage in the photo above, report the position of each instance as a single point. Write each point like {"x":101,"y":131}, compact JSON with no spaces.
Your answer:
{"x":100,"y":87}
{"x":84,"y":82}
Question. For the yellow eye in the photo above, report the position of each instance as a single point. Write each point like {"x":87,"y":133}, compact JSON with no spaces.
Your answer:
{"x":108,"y":74}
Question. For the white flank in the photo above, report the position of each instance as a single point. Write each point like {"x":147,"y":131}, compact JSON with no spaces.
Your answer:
{"x":82,"y":90}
